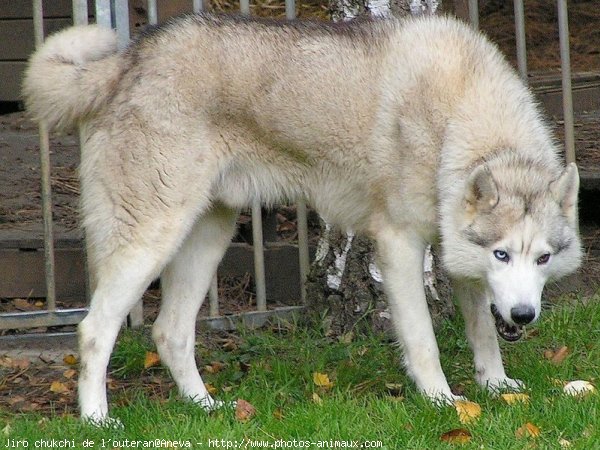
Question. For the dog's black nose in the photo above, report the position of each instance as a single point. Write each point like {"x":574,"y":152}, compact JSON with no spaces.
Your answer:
{"x":522,"y":314}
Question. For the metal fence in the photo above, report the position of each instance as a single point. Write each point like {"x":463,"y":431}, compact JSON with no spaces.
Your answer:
{"x":115,"y":14}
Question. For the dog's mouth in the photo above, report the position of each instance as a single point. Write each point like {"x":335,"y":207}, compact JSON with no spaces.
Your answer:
{"x":510,"y":333}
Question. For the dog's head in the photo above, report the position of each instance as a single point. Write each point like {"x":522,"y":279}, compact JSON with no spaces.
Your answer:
{"x":516,"y":229}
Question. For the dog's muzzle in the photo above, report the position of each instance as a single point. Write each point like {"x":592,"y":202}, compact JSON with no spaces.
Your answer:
{"x":508,"y":332}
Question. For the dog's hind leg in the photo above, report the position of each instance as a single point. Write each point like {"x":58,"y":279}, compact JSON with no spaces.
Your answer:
{"x":401,"y":254}
{"x":121,"y":281}
{"x":185,"y":282}
{"x":125,"y":261}
{"x":481,"y":334}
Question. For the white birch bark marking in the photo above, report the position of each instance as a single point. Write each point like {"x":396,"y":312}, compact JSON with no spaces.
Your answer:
{"x":336,"y":272}
{"x":420,"y":7}
{"x":379,"y":8}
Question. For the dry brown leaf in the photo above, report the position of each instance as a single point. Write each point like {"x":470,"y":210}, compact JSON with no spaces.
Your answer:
{"x":12,"y":401}
{"x":244,"y":410}
{"x":111,"y":384}
{"x":69,"y":373}
{"x":214,"y":367}
{"x":20,"y":364}
{"x":70,"y":360}
{"x":229,"y":345}
{"x":557,"y":356}
{"x":456,"y":436}
{"x":23,"y":305}
{"x":560,"y":355}
{"x":278,"y":414}
{"x":286,"y":226}
{"x":528,"y":430}
{"x":58,"y":388}
{"x":152,"y":359}
{"x":516,"y":397}
{"x":322,"y":380}
{"x":467,"y":411}
{"x":210,"y":388}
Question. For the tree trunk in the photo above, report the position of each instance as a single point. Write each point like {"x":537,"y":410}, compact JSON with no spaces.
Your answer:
{"x":344,"y":287}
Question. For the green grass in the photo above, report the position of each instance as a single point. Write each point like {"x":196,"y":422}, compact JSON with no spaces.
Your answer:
{"x":279,"y":383}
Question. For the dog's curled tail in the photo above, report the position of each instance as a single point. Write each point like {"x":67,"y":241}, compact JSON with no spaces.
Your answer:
{"x":71,"y":75}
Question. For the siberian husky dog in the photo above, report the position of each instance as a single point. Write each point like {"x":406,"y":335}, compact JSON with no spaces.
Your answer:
{"x":410,"y":131}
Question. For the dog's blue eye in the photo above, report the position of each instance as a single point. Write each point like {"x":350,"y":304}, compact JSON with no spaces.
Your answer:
{"x":501,"y":255}
{"x":543,"y":259}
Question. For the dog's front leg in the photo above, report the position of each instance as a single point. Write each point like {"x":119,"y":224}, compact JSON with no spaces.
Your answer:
{"x":481,"y":333}
{"x":401,"y":255}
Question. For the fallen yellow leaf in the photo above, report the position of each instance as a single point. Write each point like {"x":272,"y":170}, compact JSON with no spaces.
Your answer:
{"x":528,"y":430}
{"x":467,"y":411}
{"x":564,"y":443}
{"x":70,"y":359}
{"x":322,"y":380}
{"x":69,"y":373}
{"x":58,"y":387}
{"x":513,"y":398}
{"x":244,"y":410}
{"x":394,"y":389}
{"x":316,"y":399}
{"x":210,"y":388}
{"x":278,"y":414}
{"x":152,"y":359}
{"x":457,"y":436}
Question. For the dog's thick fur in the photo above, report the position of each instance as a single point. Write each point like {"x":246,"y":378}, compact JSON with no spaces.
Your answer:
{"x":403,"y":130}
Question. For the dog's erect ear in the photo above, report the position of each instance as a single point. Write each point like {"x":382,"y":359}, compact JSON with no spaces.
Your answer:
{"x":481,"y":191}
{"x":565,"y":190}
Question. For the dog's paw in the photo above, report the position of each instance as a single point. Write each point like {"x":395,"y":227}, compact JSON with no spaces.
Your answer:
{"x":498,"y":385}
{"x":442,"y":398}
{"x":105,"y":422}
{"x":209,"y":404}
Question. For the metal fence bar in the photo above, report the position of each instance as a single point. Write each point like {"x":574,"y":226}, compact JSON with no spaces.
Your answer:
{"x":152,"y":12}
{"x":245,"y":7}
{"x":474,"y":13}
{"x":257,"y":229}
{"x":259,"y":256}
{"x":109,"y":13}
{"x":197,"y":6}
{"x":80,"y":12}
{"x":213,"y":290}
{"x":520,"y":37}
{"x":565,"y":65}
{"x":301,"y":213}
{"x":290,"y":9}
{"x":49,"y":263}
{"x":213,"y":298}
{"x":121,"y":10}
{"x":103,"y":13}
{"x":303,"y":255}
{"x":34,"y":319}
